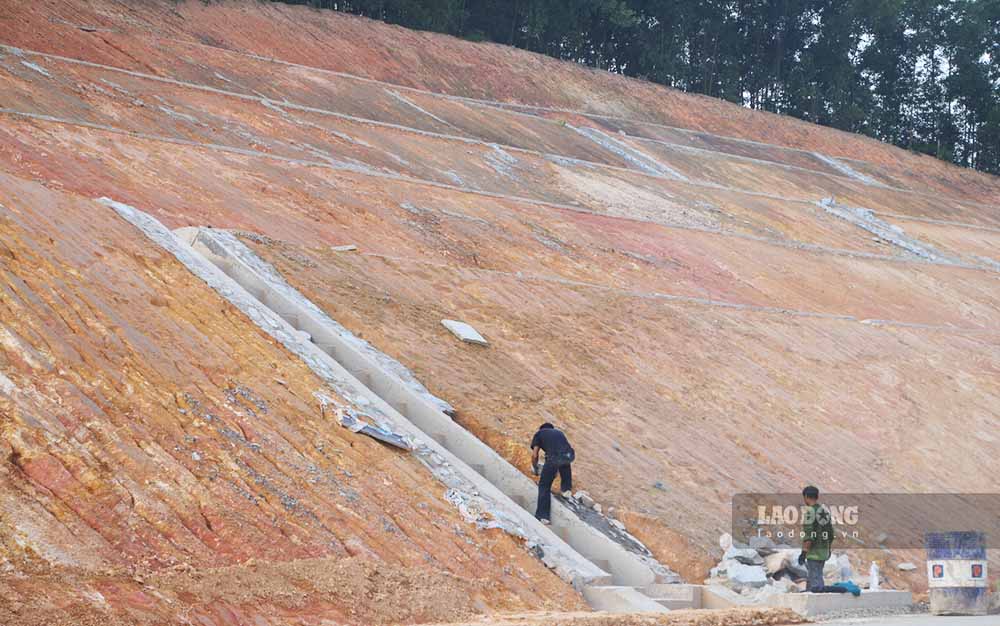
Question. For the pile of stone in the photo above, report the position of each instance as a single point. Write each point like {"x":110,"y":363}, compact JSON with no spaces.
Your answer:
{"x":762,"y":568}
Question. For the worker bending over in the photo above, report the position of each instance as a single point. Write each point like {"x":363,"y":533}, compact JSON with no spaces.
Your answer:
{"x":559,"y":455}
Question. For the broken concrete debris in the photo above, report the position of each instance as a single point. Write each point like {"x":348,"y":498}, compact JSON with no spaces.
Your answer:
{"x":593,"y":513}
{"x":352,"y":422}
{"x":465,"y":332}
{"x":741,"y":575}
{"x":747,"y":556}
{"x":761,"y":569}
{"x":584,"y":498}
{"x":345,"y":248}
{"x":485,"y":516}
{"x":906,"y":567}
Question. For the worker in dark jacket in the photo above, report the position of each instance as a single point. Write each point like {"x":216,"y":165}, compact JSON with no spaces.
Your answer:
{"x":558,"y":457}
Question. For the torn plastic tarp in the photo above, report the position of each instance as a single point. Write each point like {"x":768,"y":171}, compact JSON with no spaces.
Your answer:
{"x":350,"y":421}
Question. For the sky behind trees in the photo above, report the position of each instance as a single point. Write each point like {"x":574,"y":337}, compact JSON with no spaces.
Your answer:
{"x":921,"y":74}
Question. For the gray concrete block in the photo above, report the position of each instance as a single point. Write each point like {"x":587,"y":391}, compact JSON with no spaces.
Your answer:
{"x":812,"y":604}
{"x":616,"y":599}
{"x":718,"y":597}
{"x":463,"y":331}
{"x":675,"y":596}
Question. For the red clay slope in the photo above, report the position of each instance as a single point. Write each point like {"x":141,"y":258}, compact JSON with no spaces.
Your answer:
{"x":163,"y":458}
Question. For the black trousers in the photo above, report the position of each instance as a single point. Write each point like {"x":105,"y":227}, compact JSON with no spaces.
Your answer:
{"x":548,"y":476}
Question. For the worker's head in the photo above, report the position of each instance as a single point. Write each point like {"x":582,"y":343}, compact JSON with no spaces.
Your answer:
{"x":545,"y":425}
{"x":811,"y":495}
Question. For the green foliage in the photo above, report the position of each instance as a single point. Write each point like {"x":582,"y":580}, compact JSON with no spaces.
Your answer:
{"x":922,"y":74}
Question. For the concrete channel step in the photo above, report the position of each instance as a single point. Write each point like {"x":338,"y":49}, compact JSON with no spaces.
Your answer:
{"x":590,"y":557}
{"x":620,"y":599}
{"x":675,"y":596}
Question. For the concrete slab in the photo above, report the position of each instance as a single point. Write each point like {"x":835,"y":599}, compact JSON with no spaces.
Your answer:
{"x":616,"y":599}
{"x":466,"y":333}
{"x":812,"y":604}
{"x":675,"y":596}
{"x":717,"y":597}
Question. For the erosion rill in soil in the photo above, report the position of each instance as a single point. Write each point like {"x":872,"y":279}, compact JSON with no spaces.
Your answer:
{"x":707,"y":300}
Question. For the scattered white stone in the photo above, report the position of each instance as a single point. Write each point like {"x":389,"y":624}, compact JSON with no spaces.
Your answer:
{"x":598,"y":508}
{"x":584,"y":498}
{"x":761,"y":543}
{"x":617,"y":525}
{"x":463,"y":331}
{"x":747,"y":556}
{"x":745,"y":575}
{"x":725,"y":541}
{"x":906,"y":567}
{"x":7,"y":386}
{"x":837,"y":569}
{"x":347,"y":248}
{"x":761,"y":594}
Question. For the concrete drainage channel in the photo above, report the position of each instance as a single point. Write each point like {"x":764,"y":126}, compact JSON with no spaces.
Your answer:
{"x":610,"y":577}
{"x":629,"y":572}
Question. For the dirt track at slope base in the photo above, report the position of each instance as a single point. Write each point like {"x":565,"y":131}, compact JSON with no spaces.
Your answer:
{"x":723,"y":617}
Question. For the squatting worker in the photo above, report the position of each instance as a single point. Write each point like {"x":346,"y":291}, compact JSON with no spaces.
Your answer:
{"x":817,"y":539}
{"x":558,"y":457}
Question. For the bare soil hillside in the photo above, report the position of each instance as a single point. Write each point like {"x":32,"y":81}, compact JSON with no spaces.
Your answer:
{"x":707,"y":299}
